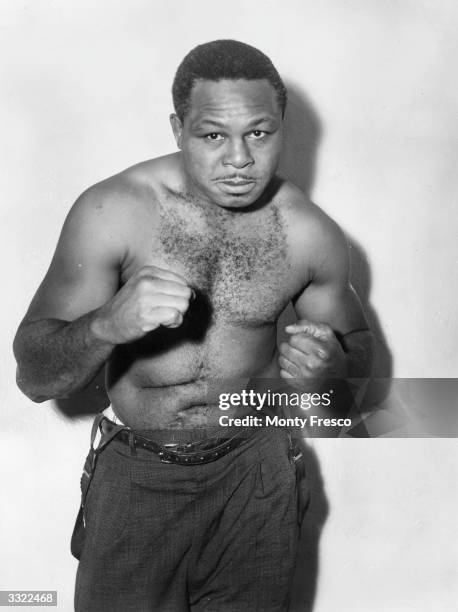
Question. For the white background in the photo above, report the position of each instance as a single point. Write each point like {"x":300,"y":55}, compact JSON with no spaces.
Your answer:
{"x":372,"y":131}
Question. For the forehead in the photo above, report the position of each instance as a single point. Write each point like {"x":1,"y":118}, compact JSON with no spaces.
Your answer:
{"x":233,"y":99}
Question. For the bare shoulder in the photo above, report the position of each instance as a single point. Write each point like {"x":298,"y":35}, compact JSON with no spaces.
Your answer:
{"x":314,"y":237}
{"x":120,"y":195}
{"x":148,"y":180}
{"x":124,"y":202}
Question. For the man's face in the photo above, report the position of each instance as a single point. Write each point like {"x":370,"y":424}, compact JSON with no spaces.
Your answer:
{"x":230,"y":140}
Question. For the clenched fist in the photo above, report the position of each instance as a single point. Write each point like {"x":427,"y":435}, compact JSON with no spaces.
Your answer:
{"x":151,"y":297}
{"x":312,"y":351}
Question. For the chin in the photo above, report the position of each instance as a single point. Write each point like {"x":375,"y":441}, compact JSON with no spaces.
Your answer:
{"x":238,"y":201}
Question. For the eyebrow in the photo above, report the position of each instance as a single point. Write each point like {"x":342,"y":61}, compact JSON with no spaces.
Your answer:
{"x":220,"y":124}
{"x":212,"y":122}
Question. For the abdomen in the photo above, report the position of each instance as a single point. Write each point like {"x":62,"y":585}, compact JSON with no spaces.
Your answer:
{"x":160,"y":381}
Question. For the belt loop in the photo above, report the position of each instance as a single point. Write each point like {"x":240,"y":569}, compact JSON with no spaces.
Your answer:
{"x":96,"y":432}
{"x":133,"y":450}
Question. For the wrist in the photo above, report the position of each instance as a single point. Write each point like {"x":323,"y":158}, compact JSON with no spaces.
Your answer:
{"x":99,"y":327}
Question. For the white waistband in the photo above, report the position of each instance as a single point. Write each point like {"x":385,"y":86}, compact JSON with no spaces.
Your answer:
{"x":109,"y":413}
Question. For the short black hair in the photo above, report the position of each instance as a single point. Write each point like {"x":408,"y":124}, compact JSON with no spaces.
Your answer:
{"x":223,"y":59}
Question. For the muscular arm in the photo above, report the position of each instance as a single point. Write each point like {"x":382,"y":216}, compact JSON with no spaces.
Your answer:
{"x":79,"y":313}
{"x":332,"y":302}
{"x":56,"y":358}
{"x":332,"y":337}
{"x":55,"y":346}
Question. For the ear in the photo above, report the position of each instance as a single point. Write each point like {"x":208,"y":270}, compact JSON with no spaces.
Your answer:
{"x":177,"y":128}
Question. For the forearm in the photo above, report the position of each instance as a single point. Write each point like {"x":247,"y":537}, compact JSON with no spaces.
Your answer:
{"x":56,"y":358}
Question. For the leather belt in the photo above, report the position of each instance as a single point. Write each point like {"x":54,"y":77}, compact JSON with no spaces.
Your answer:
{"x":193,"y":453}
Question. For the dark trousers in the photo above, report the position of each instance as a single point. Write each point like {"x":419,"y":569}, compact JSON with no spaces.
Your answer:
{"x":220,"y":537}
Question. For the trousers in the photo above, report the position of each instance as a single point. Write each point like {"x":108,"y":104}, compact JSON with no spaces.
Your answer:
{"x":219,"y":537}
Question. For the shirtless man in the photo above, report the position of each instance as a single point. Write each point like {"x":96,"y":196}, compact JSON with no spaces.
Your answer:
{"x":173,"y":273}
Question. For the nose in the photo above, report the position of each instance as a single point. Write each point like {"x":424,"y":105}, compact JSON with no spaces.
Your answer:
{"x":238,"y":154}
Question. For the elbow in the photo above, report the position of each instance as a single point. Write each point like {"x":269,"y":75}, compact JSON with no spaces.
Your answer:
{"x":37,"y":399}
{"x":41,"y":391}
{"x":35,"y":386}
{"x":31,"y":377}
{"x":23,"y":380}
{"x":34,"y":395}
{"x":30,"y":390}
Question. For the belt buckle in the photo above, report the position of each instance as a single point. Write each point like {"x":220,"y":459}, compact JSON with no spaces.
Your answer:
{"x":166,"y":452}
{"x":163,"y":456}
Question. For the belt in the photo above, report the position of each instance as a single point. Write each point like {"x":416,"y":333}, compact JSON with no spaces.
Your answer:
{"x":193,"y":453}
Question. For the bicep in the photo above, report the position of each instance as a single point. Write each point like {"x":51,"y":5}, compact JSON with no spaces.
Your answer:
{"x":84,"y":271}
{"x":329,"y":297}
{"x":333,"y":303}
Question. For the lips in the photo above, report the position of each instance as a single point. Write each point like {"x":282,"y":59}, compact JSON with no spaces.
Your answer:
{"x":236,"y":187}
{"x":237,"y":182}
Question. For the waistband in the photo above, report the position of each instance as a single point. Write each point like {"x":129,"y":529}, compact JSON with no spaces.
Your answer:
{"x":194,"y":434}
{"x":184,"y":435}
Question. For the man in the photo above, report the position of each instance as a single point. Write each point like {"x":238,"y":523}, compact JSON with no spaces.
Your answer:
{"x":173,"y":273}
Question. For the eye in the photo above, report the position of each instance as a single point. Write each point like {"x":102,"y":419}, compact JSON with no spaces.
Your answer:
{"x":257,"y":134}
{"x":214,"y":136}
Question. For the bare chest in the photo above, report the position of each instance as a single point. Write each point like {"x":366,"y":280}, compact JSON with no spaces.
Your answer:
{"x":238,"y":266}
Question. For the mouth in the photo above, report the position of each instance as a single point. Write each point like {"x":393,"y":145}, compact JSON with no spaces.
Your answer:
{"x":236,"y":186}
{"x":237,"y":182}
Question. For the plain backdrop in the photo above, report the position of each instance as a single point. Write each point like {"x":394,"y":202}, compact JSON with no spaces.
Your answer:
{"x":372,"y":136}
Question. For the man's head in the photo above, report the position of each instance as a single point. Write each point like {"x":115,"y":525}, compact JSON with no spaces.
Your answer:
{"x":223,"y":59}
{"x":229,"y":102}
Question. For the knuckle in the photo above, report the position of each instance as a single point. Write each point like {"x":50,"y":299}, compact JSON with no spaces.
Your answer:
{"x":288,"y":353}
{"x":316,"y":366}
{"x":145,"y":272}
{"x":144,"y":284}
{"x":166,"y":314}
{"x":326,"y":329}
{"x":296,"y":341}
{"x":182,"y":305}
{"x":143,"y":308}
{"x":175,"y":319}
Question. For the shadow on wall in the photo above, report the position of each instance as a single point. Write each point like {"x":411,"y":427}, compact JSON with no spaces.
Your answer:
{"x":302,"y":136}
{"x":382,"y":368}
